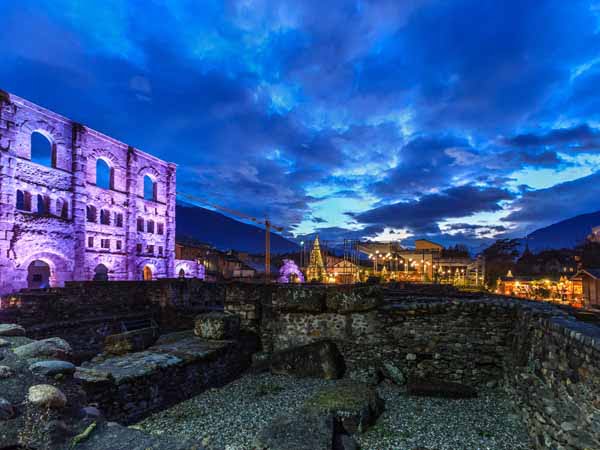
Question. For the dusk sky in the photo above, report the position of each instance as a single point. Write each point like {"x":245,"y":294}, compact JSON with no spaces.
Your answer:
{"x":382,"y":119}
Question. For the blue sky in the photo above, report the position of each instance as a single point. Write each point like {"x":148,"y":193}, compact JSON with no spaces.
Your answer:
{"x":453,"y":120}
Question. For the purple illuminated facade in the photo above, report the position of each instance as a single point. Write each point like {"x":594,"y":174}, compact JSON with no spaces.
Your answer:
{"x":61,"y":221}
{"x":290,"y":273}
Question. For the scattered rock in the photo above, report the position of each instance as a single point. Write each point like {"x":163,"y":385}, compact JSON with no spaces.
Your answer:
{"x":354,"y":406}
{"x":393,"y":373}
{"x":4,"y":343}
{"x":130,"y":341}
{"x":52,"y":367}
{"x":297,"y":432}
{"x":568,"y":426}
{"x":11,"y":329}
{"x":90,"y":412}
{"x":47,"y":348}
{"x":6,"y":372}
{"x":7,"y":411}
{"x":46,"y":395}
{"x":217,"y":326}
{"x":444,"y":389}
{"x":320,"y":359}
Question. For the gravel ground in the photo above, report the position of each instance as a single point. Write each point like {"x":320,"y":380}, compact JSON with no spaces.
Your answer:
{"x":229,"y":418}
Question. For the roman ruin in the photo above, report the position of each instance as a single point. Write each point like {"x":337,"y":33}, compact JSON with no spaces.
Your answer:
{"x":76,"y":204}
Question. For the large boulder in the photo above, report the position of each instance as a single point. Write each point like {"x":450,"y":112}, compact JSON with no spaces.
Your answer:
{"x":354,"y":406}
{"x":217,"y":326}
{"x":443,"y":389}
{"x":11,"y":329}
{"x":46,"y":348}
{"x":320,"y":359}
{"x":130,"y":341}
{"x":52,"y":367}
{"x":297,"y":432}
{"x":46,"y":395}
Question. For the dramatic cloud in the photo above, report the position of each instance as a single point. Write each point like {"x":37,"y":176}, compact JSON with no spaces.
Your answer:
{"x":422,"y":215}
{"x":545,"y":206}
{"x":403,"y":113}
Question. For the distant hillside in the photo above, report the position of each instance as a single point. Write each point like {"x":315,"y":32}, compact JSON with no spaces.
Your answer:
{"x":226,"y":233}
{"x":565,"y":234}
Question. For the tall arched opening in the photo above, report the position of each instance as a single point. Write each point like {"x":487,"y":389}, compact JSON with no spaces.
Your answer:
{"x":101,"y":273}
{"x":38,"y":275}
{"x":147,"y":273}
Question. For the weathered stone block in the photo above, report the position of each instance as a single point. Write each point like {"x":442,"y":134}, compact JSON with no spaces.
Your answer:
{"x":217,"y":326}
{"x":46,"y":348}
{"x":348,"y":300}
{"x":354,"y":406}
{"x":130,"y":341}
{"x":11,"y":329}
{"x":299,"y":299}
{"x":297,"y":432}
{"x":320,"y":359}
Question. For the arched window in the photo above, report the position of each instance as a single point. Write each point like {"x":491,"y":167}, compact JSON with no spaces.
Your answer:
{"x":104,"y":217}
{"x":43,"y":204}
{"x":42,"y":150}
{"x":104,"y":174}
{"x":23,"y":200}
{"x":181,"y":273}
{"x":62,"y":208}
{"x":149,"y":188}
{"x":118,"y":219}
{"x":91,"y":213}
{"x":140,"y":224}
{"x":150,"y":226}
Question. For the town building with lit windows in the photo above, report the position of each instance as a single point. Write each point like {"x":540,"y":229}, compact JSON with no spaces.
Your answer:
{"x":76,"y":204}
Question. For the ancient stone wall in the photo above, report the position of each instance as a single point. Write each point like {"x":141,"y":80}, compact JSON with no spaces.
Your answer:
{"x":548,"y":359}
{"x":554,"y":378}
{"x":60,"y":214}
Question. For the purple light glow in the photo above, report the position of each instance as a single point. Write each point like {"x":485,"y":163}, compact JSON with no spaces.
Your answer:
{"x":290,"y":273}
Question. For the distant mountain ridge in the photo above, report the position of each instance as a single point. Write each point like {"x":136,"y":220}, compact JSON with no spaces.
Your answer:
{"x":564,"y":234}
{"x":225,"y":233}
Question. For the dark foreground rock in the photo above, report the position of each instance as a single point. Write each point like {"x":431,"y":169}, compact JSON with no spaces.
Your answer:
{"x":354,"y":406}
{"x":443,"y":389}
{"x":320,"y":359}
{"x":46,"y":348}
{"x":297,"y":432}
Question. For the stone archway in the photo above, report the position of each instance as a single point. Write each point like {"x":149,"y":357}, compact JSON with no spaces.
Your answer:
{"x":101,"y":273}
{"x":147,"y":274}
{"x":60,"y":268}
{"x":38,"y":275}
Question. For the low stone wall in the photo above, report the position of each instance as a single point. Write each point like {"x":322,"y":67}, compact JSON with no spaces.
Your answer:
{"x":548,"y":359}
{"x":554,"y":378}
{"x":130,"y":387}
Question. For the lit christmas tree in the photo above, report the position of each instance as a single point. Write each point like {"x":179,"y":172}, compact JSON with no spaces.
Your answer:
{"x":316,"y":268}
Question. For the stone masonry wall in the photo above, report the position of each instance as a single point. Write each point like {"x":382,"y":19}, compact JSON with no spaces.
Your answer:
{"x":549,"y":360}
{"x":57,"y":212}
